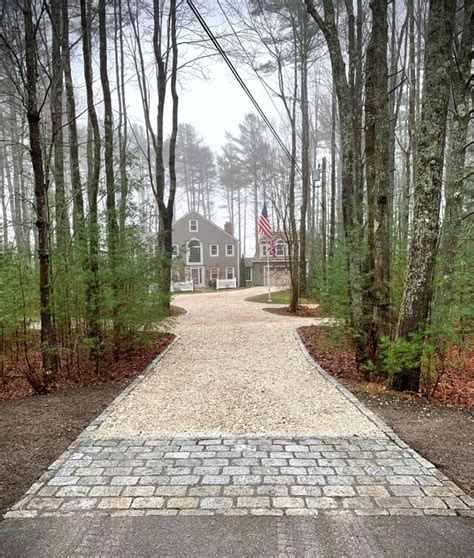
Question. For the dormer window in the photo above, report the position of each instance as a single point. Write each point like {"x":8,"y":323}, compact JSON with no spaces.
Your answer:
{"x":193,"y":225}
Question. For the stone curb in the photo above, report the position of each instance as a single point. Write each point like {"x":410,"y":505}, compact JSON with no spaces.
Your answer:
{"x":366,"y":411}
{"x":131,"y":387}
{"x":85,"y":434}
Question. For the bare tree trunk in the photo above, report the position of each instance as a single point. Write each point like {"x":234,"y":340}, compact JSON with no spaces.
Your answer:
{"x":412,"y":120}
{"x":112,"y":232}
{"x":455,"y":169}
{"x":306,"y":178}
{"x":42,"y":381}
{"x":108,"y":135}
{"x":3,"y":172}
{"x":332,"y":224}
{"x":123,"y":117}
{"x":396,"y":89}
{"x":78,"y":201}
{"x":93,"y":303}
{"x":56,"y":101}
{"x":378,"y":176}
{"x":350,"y":212}
{"x":166,"y":209}
{"x":14,"y":177}
{"x":417,"y":294}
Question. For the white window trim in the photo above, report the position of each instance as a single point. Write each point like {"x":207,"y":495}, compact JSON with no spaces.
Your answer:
{"x":177,"y":251}
{"x":263,"y":248}
{"x":249,"y":268}
{"x":279,"y":244}
{"x":197,"y":225}
{"x":211,"y":255}
{"x":200,"y":262}
{"x":233,"y":272}
{"x":214,"y":271}
{"x":233,"y":250}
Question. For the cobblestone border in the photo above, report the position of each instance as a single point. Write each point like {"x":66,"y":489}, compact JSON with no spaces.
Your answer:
{"x":93,"y":425}
{"x":372,"y":416}
{"x":131,"y":387}
{"x":243,"y":476}
{"x":351,"y":397}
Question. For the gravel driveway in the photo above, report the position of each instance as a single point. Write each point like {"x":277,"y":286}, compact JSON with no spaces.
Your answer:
{"x":236,"y":370}
{"x":236,"y":420}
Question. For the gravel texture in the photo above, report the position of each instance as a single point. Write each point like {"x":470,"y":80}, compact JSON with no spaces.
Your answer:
{"x":235,"y":371}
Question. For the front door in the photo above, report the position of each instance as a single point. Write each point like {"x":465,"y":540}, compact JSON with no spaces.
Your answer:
{"x":197,"y":276}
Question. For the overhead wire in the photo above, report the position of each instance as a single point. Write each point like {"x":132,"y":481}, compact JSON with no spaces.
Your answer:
{"x":241,"y":82}
{"x":247,"y":55}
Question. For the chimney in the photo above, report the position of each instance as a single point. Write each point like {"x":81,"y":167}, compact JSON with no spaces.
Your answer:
{"x":228,"y":228}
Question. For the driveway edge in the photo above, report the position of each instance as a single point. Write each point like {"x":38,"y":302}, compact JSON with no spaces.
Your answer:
{"x":81,"y":440}
{"x":384,"y":426}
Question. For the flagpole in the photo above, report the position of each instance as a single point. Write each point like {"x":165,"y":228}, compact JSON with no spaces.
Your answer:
{"x":268,"y":271}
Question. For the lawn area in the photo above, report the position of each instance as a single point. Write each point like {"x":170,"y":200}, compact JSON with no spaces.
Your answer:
{"x":280,"y":297}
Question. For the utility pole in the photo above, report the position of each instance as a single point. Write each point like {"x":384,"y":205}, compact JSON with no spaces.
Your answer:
{"x":323,"y":219}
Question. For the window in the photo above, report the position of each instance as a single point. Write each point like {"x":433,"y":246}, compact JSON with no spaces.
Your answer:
{"x":175,"y":276}
{"x":175,"y":251}
{"x":193,"y":225}
{"x":214,"y":250}
{"x":263,"y":249}
{"x":229,"y":249}
{"x":194,"y":252}
{"x":248,"y":274}
{"x":280,"y":249}
{"x":229,"y":272}
{"x":214,"y":273}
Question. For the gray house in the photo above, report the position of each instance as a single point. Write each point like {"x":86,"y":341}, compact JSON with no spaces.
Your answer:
{"x":256,"y":269}
{"x":203,"y":252}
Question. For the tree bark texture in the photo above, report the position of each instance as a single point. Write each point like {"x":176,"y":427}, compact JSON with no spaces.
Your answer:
{"x":378,"y":177}
{"x":41,"y":382}
{"x":428,"y":186}
{"x":350,"y":213}
{"x":455,"y":165}
{"x":93,"y":302}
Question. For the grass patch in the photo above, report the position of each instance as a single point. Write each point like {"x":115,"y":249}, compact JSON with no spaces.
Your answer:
{"x":281,"y":297}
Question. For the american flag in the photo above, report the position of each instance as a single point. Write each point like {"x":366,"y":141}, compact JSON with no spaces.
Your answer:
{"x":264,"y":227}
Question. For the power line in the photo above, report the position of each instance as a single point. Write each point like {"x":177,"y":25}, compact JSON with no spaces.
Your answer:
{"x":247,"y":55}
{"x":242,"y":83}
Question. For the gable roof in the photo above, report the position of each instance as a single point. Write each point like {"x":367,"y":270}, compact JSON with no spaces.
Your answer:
{"x":192,"y":214}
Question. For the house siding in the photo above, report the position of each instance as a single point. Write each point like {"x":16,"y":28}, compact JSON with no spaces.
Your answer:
{"x":208,"y":233}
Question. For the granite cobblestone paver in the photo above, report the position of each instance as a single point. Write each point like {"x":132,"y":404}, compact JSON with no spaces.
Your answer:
{"x":258,"y":485}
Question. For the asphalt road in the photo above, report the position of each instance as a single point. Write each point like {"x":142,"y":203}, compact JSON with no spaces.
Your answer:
{"x":153,"y":536}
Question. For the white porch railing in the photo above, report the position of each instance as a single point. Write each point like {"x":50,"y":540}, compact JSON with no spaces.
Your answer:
{"x":226,"y":283}
{"x":182,"y":286}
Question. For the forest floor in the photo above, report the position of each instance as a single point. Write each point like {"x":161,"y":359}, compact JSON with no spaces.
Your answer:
{"x":440,"y":429}
{"x":36,"y":429}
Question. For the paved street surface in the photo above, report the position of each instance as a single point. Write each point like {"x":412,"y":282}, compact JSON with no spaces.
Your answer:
{"x":236,"y":420}
{"x":240,"y":537}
